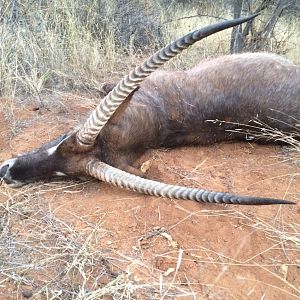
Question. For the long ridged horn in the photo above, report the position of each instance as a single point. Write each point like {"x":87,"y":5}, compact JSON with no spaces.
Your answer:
{"x":87,"y":135}
{"x":131,"y":182}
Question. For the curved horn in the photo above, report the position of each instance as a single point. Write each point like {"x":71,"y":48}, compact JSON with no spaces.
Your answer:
{"x":123,"y":179}
{"x":87,"y":135}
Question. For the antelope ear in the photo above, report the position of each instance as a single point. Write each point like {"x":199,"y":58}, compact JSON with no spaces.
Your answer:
{"x":54,"y":146}
{"x":68,"y":145}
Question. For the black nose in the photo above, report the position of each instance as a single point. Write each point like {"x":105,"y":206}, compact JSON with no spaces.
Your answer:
{"x":3,"y":170}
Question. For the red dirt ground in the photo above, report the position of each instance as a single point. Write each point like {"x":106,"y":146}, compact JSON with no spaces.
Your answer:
{"x":222,"y":252}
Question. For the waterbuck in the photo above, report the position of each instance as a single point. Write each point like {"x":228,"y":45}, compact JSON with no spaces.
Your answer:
{"x":207,"y":104}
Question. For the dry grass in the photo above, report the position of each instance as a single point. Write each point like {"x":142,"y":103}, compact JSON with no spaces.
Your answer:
{"x":67,"y":44}
{"x":52,"y":46}
{"x":48,"y":257}
{"x":258,"y":130}
{"x":284,"y":237}
{"x":286,"y":39}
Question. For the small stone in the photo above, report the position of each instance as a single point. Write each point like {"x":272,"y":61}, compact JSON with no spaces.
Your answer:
{"x":26,"y":293}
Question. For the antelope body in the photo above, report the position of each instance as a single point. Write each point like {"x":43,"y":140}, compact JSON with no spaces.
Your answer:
{"x":176,"y":108}
{"x":207,"y":104}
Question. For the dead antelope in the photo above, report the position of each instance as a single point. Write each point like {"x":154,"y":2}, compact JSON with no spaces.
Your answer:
{"x":170,"y":109}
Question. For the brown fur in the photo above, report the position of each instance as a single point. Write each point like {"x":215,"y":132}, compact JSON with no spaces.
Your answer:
{"x":176,"y":108}
{"x":171,"y":108}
